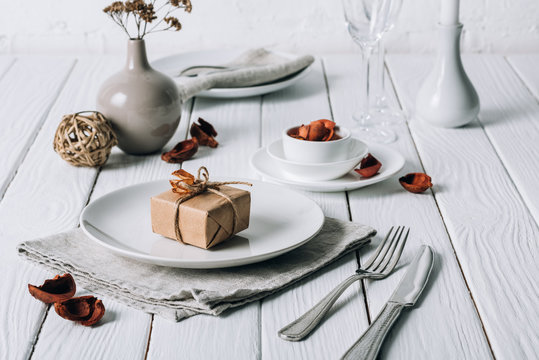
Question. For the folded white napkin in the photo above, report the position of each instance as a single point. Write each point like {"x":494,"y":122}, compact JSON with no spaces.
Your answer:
{"x":254,"y":67}
{"x":179,"y":293}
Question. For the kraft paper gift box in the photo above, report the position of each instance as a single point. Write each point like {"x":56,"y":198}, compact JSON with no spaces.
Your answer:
{"x":204,"y":220}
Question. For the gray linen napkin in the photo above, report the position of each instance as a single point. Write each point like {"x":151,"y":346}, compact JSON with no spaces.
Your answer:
{"x":254,"y":67}
{"x":179,"y":293}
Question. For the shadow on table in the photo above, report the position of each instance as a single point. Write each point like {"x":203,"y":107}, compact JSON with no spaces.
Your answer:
{"x":120,"y":160}
{"x":514,"y":114}
{"x":109,"y":316}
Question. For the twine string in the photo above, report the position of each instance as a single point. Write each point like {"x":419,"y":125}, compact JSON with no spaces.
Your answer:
{"x":200,"y":185}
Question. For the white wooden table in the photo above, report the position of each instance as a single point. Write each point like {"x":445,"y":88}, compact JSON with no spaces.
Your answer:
{"x":481,"y":217}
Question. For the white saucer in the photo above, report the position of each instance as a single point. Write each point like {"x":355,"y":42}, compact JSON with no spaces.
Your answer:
{"x":281,"y":220}
{"x":268,"y":168}
{"x":317,"y":172}
{"x":174,"y":64}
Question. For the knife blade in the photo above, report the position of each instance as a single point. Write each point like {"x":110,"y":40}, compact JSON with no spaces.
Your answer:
{"x":406,"y":294}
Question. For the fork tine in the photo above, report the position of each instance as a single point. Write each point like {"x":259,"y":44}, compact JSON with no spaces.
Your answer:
{"x":384,"y":251}
{"x":378,"y":250}
{"x":396,"y":256}
{"x":383,"y":260}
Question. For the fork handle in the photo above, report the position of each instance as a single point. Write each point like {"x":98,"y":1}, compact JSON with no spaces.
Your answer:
{"x":302,"y":326}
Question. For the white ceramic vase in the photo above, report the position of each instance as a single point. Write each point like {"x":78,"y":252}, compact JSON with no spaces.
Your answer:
{"x":447,"y":98}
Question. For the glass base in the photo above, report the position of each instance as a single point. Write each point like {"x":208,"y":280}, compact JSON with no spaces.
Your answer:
{"x":385,"y":115}
{"x":368,"y":131}
{"x":390,"y":117}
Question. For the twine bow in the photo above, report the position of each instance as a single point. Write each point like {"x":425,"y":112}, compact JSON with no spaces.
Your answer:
{"x":192,"y":187}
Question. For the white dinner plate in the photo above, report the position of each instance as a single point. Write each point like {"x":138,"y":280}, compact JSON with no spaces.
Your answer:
{"x":391,"y":161}
{"x":174,"y":64}
{"x":281,"y":220}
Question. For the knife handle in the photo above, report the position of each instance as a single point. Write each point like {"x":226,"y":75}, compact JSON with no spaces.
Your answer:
{"x":368,"y":345}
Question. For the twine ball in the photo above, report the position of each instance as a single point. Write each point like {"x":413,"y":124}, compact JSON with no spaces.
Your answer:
{"x":84,"y":139}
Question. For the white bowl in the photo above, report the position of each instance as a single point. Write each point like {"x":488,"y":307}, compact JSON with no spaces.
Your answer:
{"x":317,"y":172}
{"x":317,"y":152}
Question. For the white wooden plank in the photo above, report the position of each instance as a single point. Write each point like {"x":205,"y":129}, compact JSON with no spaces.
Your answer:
{"x":492,"y":231}
{"x":234,"y":335}
{"x":27,"y":92}
{"x":299,"y":104}
{"x":6,"y":61}
{"x":46,"y":196}
{"x":510,"y":118}
{"x":526,"y":67}
{"x":123,"y":332}
{"x":445,"y":323}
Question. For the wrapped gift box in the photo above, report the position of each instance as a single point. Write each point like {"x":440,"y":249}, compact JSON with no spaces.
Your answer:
{"x":204,"y":220}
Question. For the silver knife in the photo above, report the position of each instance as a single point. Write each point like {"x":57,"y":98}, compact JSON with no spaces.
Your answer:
{"x":406,"y":294}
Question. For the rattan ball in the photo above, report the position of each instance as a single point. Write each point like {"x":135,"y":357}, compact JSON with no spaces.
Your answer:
{"x":84,"y":139}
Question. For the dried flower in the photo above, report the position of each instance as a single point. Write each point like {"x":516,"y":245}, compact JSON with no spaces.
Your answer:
{"x":145,"y":13}
{"x":173,"y":23}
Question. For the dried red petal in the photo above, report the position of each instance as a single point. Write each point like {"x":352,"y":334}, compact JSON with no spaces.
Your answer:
{"x":369,"y":166}
{"x":183,"y":151}
{"x":57,"y":289}
{"x":416,"y":182}
{"x":207,"y":127}
{"x":328,"y":124}
{"x":87,"y":310}
{"x":204,"y":133}
{"x":318,"y":130}
{"x":184,"y":177}
{"x":303,"y":131}
{"x":97,"y":313}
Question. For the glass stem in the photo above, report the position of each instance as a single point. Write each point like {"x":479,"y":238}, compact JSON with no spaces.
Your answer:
{"x":379,"y":76}
{"x":365,"y":95}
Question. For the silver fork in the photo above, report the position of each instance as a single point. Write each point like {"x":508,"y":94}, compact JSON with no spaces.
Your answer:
{"x":216,"y":68}
{"x":380,"y":265}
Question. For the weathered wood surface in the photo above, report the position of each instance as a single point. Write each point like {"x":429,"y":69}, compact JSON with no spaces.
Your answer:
{"x":480,"y":218}
{"x":491,"y":229}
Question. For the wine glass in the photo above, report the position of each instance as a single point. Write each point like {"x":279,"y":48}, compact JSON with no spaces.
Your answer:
{"x":382,"y":111}
{"x":368,"y":21}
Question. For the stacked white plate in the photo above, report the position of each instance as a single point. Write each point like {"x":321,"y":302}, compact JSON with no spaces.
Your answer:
{"x":271,"y":164}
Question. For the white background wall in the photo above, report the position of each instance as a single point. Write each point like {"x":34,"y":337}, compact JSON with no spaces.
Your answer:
{"x":317,"y":26}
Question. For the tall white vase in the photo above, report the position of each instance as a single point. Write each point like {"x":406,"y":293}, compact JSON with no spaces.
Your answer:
{"x":447,"y":98}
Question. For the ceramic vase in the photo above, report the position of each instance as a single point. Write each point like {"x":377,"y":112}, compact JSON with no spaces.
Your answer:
{"x":447,"y":98}
{"x":142,"y":104}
